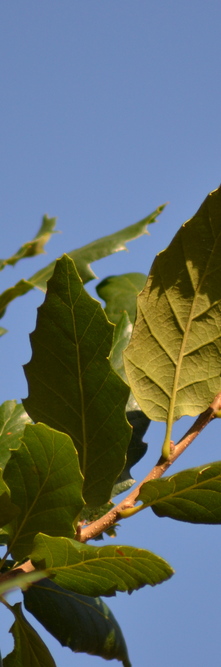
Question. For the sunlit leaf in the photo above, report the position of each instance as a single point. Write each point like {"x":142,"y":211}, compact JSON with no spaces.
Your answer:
{"x":34,"y":247}
{"x":45,"y":483}
{"x":84,"y":624}
{"x":96,"y":571}
{"x":29,"y":649}
{"x":192,"y":495}
{"x":82,"y":257}
{"x":120,"y":294}
{"x":13,"y":419}
{"x":72,"y":386}
{"x":173,"y":360}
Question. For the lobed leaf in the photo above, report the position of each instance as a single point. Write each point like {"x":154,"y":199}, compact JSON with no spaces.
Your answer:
{"x":94,"y":630}
{"x":82,"y":258}
{"x":29,"y":649}
{"x":192,"y":495}
{"x":173,"y":361}
{"x":72,"y":386}
{"x":13,"y":419}
{"x":34,"y":247}
{"x":96,"y":571}
{"x":46,"y":484}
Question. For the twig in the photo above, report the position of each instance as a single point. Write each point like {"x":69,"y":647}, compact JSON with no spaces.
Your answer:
{"x":97,"y":527}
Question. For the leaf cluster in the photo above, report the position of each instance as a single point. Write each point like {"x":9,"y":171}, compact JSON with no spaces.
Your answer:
{"x":96,"y":378}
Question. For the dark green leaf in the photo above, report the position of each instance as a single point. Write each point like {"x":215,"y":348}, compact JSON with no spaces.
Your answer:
{"x":46,"y":483}
{"x":98,"y":570}
{"x":34,"y":247}
{"x":13,"y":419}
{"x":120,"y":293}
{"x":122,"y":335}
{"x":192,"y":495}
{"x":173,"y":361}
{"x":82,"y":258}
{"x":136,"y":450}
{"x":29,"y":649}
{"x":72,"y":386}
{"x":84,"y":624}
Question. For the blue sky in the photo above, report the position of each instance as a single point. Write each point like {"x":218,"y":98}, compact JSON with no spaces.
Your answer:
{"x":108,"y":109}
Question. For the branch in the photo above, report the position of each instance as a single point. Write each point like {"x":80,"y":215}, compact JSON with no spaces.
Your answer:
{"x":97,"y":527}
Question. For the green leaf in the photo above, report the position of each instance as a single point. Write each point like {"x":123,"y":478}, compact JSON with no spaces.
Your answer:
{"x":29,"y":650}
{"x":82,"y":257}
{"x":8,"y":511}
{"x":121,"y":337}
{"x":34,"y":247}
{"x":72,"y":386}
{"x":22,"y":580}
{"x":45,"y":482}
{"x":136,"y":450}
{"x":96,"y":570}
{"x":2,"y":330}
{"x":94,"y":630}
{"x":192,"y":495}
{"x":173,"y":360}
{"x":13,"y":419}
{"x":120,"y":294}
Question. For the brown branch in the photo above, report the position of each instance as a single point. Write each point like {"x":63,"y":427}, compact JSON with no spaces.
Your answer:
{"x":96,"y":527}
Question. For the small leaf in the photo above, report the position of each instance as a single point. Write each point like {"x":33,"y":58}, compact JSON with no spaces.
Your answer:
{"x":98,"y":570}
{"x":122,"y":335}
{"x":29,"y":650}
{"x":120,"y":294}
{"x":173,"y":361}
{"x":193,"y":495}
{"x":34,"y":247}
{"x":82,"y":258}
{"x":94,"y":629}
{"x":72,"y":386}
{"x":45,"y":482}
{"x":2,"y":330}
{"x":13,"y":419}
{"x":23,"y":581}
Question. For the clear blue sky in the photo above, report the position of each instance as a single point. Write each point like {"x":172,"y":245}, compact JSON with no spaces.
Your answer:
{"x":108,"y":109}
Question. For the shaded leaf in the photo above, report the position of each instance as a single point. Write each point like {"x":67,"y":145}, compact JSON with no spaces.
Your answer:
{"x":173,"y":360}
{"x":94,"y":630}
{"x":72,"y":386}
{"x":121,"y":337}
{"x":82,"y":257}
{"x":96,"y":571}
{"x":120,"y":293}
{"x":193,"y":495}
{"x":22,"y":581}
{"x":136,"y":450}
{"x":46,"y":483}
{"x":34,"y":247}
{"x":29,"y":649}
{"x":13,"y":419}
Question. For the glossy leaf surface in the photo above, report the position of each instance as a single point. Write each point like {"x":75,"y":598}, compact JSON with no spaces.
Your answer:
{"x":72,"y":386}
{"x":13,"y":419}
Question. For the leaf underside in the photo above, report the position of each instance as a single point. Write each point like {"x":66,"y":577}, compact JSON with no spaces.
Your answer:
{"x":173,"y":360}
